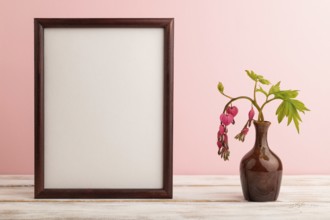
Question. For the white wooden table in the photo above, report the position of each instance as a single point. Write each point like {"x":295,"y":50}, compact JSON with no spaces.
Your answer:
{"x":195,"y":197}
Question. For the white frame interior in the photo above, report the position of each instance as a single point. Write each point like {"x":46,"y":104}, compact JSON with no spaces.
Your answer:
{"x":103,"y":108}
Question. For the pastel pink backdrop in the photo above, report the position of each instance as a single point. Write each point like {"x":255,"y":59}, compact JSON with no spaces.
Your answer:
{"x":215,"y":40}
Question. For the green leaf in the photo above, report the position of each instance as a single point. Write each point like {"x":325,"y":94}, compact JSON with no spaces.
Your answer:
{"x":281,"y":111}
{"x":296,"y":123}
{"x":290,"y":117}
{"x":256,"y":77}
{"x":261,"y":79}
{"x":299,"y":105}
{"x":252,"y":75}
{"x":279,"y":108}
{"x":274,"y":88}
{"x":264,"y":81}
{"x":220,"y":87}
{"x":262,"y":91}
{"x":290,"y":108}
{"x":286,"y":94}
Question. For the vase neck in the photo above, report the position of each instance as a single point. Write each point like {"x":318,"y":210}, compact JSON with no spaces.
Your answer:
{"x":261,"y":134}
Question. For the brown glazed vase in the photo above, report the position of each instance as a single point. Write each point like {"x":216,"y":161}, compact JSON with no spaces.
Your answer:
{"x":261,"y":169}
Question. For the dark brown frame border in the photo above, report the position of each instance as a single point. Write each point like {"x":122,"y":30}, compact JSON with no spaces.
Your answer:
{"x":168,"y":25}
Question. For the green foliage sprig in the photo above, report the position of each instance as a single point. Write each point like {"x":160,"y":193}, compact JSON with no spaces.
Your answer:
{"x":290,"y":107}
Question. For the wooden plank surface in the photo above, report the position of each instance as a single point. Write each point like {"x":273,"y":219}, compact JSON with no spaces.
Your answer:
{"x":195,"y":197}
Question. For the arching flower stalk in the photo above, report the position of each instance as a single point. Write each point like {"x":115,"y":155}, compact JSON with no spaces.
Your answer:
{"x":289,"y":107}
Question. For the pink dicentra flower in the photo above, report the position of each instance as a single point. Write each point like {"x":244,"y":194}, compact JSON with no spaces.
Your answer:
{"x":251,"y":114}
{"x":245,"y":131}
{"x":223,"y":148}
{"x":233,"y":110}
{"x":222,"y":129}
{"x":226,"y":119}
{"x":224,"y":153}
{"x":219,"y":143}
{"x":242,"y":134}
{"x":219,"y":135}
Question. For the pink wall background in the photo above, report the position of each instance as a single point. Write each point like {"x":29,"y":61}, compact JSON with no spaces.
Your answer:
{"x":215,"y":40}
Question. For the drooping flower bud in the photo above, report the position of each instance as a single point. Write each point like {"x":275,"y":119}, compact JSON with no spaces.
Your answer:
{"x":233,"y":110}
{"x":251,"y":114}
{"x":226,"y":119}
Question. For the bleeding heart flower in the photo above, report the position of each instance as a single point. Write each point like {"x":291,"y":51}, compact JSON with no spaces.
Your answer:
{"x":219,"y":143}
{"x":245,"y":131}
{"x":224,"y":153}
{"x":242,"y":134}
{"x":251,"y":114}
{"x":222,"y":129}
{"x":219,"y":135}
{"x":226,"y":119}
{"x":233,"y":110}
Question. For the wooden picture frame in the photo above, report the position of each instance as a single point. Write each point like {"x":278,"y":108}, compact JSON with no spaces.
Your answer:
{"x":103,"y":108}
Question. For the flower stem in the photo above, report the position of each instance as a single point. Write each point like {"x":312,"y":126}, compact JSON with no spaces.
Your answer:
{"x":260,"y":116}
{"x":229,"y":97}
{"x":267,"y":101}
{"x":255,"y":91}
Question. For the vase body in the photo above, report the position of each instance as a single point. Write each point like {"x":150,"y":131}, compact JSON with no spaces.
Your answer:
{"x":261,"y":169}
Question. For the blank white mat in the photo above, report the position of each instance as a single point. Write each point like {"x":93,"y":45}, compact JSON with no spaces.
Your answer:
{"x":103,"y":107}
